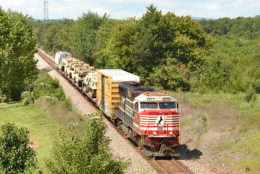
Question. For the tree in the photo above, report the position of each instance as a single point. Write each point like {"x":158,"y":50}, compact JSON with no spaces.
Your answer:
{"x":86,"y":153}
{"x":103,"y":34}
{"x":84,"y":35}
{"x":170,"y":76}
{"x":118,"y":48}
{"x":17,"y":47}
{"x":141,"y":46}
{"x":15,"y":154}
{"x":54,"y":35}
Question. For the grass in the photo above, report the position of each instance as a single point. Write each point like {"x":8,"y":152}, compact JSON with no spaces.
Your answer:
{"x":223,"y":126}
{"x":42,"y":128}
{"x":50,"y":112}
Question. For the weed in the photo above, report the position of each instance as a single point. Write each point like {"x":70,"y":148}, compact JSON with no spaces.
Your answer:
{"x":248,"y":169}
{"x":233,"y":121}
{"x":54,"y":83}
{"x":250,"y":94}
{"x":224,"y":145}
{"x":186,"y":122}
{"x":205,"y":123}
{"x":67,"y":103}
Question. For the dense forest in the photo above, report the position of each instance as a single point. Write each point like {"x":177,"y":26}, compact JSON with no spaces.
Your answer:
{"x":167,"y":51}
{"x":235,"y":54}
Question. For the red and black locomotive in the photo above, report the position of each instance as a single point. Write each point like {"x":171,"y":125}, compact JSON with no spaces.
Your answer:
{"x":149,"y":117}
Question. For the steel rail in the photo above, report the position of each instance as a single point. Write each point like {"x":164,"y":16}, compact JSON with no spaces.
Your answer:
{"x":162,"y":165}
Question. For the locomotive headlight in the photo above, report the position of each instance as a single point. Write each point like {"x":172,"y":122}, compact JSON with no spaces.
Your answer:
{"x":171,"y":133}
{"x":154,"y":133}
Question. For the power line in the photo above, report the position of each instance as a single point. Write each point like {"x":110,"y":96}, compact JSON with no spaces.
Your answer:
{"x":46,"y":10}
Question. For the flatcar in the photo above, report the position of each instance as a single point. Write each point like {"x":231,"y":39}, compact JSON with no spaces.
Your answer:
{"x":148,"y":117}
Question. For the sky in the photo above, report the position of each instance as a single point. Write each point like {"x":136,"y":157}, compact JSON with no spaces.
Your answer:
{"x":122,"y":9}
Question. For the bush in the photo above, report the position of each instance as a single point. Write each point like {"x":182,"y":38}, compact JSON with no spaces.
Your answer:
{"x":256,"y":85}
{"x":250,"y":94}
{"x":72,"y":153}
{"x":27,"y":97}
{"x":55,"y":83}
{"x":15,"y":154}
{"x":44,"y":86}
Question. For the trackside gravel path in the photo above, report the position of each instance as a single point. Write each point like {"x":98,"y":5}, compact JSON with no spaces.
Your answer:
{"x":119,"y":146}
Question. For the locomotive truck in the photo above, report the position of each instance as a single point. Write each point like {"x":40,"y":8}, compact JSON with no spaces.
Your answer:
{"x":148,"y":117}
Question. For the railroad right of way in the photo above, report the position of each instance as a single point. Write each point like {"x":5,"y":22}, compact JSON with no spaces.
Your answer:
{"x":120,"y":148}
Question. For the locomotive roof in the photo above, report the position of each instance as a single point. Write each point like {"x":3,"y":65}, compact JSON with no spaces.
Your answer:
{"x":155,"y":96}
{"x":155,"y":93}
{"x":119,"y":75}
{"x":137,"y":87}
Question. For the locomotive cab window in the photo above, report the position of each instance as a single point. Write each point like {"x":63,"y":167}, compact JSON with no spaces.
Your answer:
{"x":149,"y":105}
{"x":136,"y":106}
{"x":168,"y":105}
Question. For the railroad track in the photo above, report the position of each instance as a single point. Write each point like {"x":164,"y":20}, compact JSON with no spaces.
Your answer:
{"x":161,"y":165}
{"x":170,"y":166}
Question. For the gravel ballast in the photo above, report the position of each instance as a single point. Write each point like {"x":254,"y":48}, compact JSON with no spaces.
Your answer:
{"x":120,"y":148}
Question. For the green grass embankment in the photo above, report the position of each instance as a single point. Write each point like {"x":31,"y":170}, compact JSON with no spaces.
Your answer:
{"x":224,"y":127}
{"x":47,"y":112}
{"x":42,"y":128}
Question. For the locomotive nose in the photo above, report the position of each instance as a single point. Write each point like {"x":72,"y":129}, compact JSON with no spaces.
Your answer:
{"x":161,"y":112}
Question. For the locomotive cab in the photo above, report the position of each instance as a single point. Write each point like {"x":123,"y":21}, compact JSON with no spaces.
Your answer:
{"x":150,"y":116}
{"x":144,"y":105}
{"x":140,"y":106}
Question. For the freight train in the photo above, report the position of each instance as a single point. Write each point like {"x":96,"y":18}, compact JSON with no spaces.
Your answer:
{"x":148,"y":117}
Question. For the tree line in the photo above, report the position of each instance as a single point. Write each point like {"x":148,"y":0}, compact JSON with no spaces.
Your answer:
{"x":162,"y":49}
{"x":167,"y":51}
{"x":240,"y":26}
{"x":234,"y":56}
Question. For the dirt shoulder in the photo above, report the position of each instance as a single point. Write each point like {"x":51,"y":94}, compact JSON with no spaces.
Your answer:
{"x":220,"y":132}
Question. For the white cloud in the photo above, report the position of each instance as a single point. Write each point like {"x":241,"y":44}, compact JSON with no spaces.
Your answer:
{"x":241,"y":3}
{"x":212,"y":6}
{"x":129,"y":8}
{"x":101,"y":11}
{"x":184,"y":12}
{"x":126,"y":14}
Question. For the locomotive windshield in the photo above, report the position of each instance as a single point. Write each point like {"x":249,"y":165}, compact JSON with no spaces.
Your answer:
{"x":168,"y":105}
{"x":160,"y":105}
{"x":149,"y":105}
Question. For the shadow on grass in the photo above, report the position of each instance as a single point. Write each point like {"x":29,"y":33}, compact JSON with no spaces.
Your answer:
{"x":12,"y":106}
{"x":186,"y":154}
{"x":46,"y":69}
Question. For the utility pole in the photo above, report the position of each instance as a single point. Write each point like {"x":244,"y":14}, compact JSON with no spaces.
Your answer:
{"x":46,"y":10}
